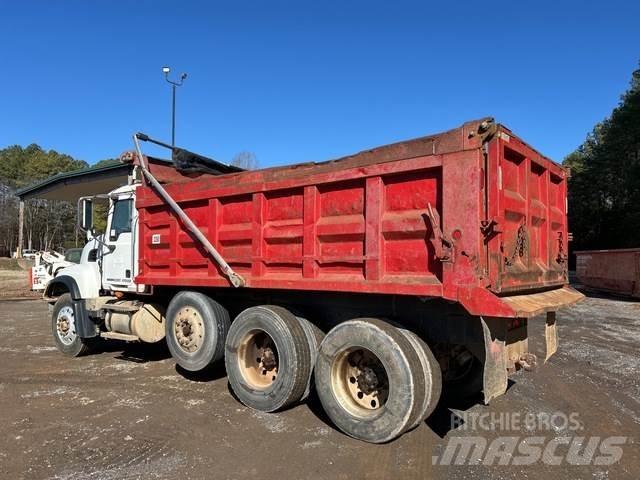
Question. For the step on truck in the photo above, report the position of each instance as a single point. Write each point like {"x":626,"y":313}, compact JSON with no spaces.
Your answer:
{"x":382,"y":280}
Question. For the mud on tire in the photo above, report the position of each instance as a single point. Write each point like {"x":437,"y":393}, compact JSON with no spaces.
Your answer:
{"x":63,"y":327}
{"x":369,"y":379}
{"x":268,"y":358}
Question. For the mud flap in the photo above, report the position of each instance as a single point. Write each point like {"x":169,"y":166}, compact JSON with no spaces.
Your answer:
{"x":495,"y":360}
{"x":551,"y":335}
{"x":85,"y":327}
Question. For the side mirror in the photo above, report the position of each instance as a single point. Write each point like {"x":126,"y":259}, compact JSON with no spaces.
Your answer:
{"x":85,"y":215}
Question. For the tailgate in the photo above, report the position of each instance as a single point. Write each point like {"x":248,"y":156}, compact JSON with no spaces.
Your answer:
{"x":526,"y":199}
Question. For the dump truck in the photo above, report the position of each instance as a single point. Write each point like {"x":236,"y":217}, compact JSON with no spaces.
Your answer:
{"x":381,"y":280}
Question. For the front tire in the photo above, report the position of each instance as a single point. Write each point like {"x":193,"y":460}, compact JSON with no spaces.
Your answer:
{"x":63,"y":326}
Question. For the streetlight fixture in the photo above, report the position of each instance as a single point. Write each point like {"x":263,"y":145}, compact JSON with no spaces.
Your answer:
{"x":174,"y":84}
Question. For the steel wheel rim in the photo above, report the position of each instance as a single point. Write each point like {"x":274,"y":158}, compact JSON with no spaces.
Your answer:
{"x":258,"y":359}
{"x":360,"y":381}
{"x":66,"y":325}
{"x":189,"y":329}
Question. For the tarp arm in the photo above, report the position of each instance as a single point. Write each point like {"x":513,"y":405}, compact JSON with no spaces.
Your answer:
{"x":235,"y":279}
{"x":187,"y":162}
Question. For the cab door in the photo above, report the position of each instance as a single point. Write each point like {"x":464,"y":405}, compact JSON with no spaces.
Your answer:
{"x":117,"y":260}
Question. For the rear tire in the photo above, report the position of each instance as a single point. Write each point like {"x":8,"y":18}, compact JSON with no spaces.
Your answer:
{"x":197,"y":327}
{"x":432,"y":376}
{"x":369,"y":380}
{"x":63,"y":326}
{"x":465,"y":380}
{"x":268,"y":358}
{"x":314,"y":338}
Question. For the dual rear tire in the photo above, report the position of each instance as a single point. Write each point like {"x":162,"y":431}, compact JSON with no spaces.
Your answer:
{"x":269,"y":352}
{"x":375,"y":381}
{"x":269,"y":357}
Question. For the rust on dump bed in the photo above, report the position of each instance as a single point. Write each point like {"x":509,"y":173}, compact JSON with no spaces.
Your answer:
{"x":468,"y":215}
{"x":467,"y":137}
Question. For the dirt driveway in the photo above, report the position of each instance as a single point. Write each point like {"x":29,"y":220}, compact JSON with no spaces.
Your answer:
{"x":128,"y":413}
{"x":14,"y":278}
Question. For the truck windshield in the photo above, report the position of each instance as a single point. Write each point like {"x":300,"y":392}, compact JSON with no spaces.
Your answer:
{"x":121,"y":220}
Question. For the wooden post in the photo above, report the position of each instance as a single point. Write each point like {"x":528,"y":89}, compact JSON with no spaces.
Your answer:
{"x":20,"y":229}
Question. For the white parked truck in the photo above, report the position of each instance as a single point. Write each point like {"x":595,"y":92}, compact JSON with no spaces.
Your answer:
{"x":49,"y":264}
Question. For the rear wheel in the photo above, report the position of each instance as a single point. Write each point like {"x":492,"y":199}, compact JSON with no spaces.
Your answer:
{"x":432,"y":376}
{"x":314,"y":339}
{"x":63,"y":326}
{"x":268,"y":358}
{"x":196,"y":330}
{"x":463,"y":376}
{"x":369,"y":379}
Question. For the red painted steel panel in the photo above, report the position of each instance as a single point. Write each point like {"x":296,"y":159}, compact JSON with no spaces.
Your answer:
{"x":361,"y":224}
{"x":615,"y":271}
{"x":528,"y":203}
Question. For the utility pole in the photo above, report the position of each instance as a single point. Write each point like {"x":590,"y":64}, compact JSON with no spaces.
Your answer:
{"x":174,"y":84}
{"x":20,"y":229}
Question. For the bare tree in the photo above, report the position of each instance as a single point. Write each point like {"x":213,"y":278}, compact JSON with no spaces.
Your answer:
{"x":8,"y":219}
{"x":246,"y":160}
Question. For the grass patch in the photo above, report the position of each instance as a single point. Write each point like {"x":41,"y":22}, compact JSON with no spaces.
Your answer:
{"x":9,"y":264}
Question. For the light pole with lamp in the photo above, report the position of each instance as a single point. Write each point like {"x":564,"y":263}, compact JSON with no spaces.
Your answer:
{"x":174,"y":84}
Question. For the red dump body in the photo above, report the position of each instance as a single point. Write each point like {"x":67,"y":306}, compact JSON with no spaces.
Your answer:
{"x":362,"y":224}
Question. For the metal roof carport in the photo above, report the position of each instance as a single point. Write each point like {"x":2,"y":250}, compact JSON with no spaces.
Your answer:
{"x":70,"y":186}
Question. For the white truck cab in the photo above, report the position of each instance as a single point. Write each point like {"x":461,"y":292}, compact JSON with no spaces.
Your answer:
{"x":109,"y":260}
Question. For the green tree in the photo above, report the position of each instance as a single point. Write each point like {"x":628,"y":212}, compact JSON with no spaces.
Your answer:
{"x":21,"y":166}
{"x":48,"y":224}
{"x":604,"y":191}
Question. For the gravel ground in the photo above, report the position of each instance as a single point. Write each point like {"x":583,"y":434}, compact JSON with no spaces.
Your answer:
{"x":128,"y":413}
{"x":13,"y":284}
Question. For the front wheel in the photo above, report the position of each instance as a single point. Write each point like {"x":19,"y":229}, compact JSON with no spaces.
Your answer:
{"x":63,"y":325}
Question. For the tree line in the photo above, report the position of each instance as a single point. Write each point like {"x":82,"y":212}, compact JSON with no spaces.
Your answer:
{"x":604,"y":188}
{"x":48,"y":224}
